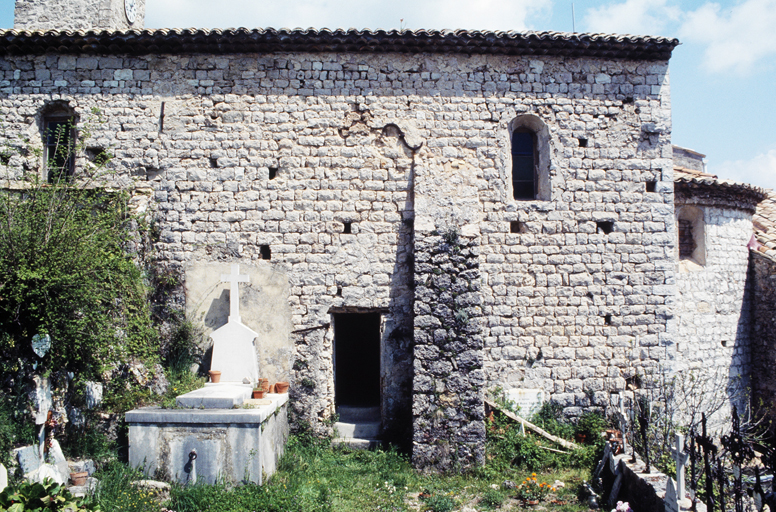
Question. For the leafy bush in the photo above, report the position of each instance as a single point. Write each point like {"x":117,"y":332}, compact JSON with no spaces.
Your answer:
{"x":492,"y":498}
{"x":40,"y":497}
{"x":117,"y":494}
{"x":66,"y":274}
{"x":439,"y":503}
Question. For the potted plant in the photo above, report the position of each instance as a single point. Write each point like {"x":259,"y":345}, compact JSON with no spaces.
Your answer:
{"x":258,"y":393}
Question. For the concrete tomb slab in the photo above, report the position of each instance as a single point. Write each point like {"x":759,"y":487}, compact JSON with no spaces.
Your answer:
{"x":216,"y":396}
{"x":233,"y":445}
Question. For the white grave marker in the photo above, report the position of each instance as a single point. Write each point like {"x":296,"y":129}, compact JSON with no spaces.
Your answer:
{"x":529,"y":400}
{"x":234,"y":353}
{"x":3,"y":478}
{"x":681,"y":459}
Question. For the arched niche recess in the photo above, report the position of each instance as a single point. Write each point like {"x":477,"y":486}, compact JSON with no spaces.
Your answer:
{"x":691,"y":237}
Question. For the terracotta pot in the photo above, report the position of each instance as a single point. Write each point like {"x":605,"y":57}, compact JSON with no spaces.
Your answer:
{"x":215,"y":376}
{"x":79,"y":479}
{"x":281,"y":387}
{"x":258,"y":393}
{"x":263,"y":384}
{"x":580,"y":438}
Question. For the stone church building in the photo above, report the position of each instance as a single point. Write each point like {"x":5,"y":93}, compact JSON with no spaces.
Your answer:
{"x":424,"y":215}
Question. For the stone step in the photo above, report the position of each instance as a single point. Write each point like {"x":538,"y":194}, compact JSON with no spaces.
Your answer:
{"x":356,"y":443}
{"x":352,"y":414}
{"x":361,"y":430}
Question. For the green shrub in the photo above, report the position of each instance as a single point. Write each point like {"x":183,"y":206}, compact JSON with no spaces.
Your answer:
{"x":439,"y":503}
{"x":492,"y":498}
{"x":117,"y":494}
{"x":35,"y":497}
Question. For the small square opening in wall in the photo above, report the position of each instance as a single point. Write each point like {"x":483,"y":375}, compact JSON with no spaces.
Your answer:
{"x":266,"y":253}
{"x":608,"y":319}
{"x":604,"y":226}
{"x":347,"y":227}
{"x":651,"y":186}
{"x":273,"y":173}
{"x":516,"y":227}
{"x":213,"y":162}
{"x":582,"y":142}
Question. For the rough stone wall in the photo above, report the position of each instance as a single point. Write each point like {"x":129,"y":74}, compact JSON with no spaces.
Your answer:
{"x":448,"y":410}
{"x":714,"y":313}
{"x":566,"y":306}
{"x":75,"y":15}
{"x":763,"y":337}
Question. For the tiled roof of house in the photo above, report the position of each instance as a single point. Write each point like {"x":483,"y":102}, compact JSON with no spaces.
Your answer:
{"x":242,"y":40}
{"x":764,"y":218}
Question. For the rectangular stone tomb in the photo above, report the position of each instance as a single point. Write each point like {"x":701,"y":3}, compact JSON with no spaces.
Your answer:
{"x":529,"y":400}
{"x":233,"y":445}
{"x":216,"y":396}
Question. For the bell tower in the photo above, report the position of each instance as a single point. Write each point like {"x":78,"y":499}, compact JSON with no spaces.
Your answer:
{"x":42,"y":15}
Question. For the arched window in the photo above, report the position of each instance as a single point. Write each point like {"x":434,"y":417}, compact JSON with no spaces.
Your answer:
{"x":529,"y":139}
{"x":690,"y":228}
{"x":59,"y":137}
{"x":523,"y":164}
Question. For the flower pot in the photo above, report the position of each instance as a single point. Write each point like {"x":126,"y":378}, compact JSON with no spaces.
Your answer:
{"x":258,"y":393}
{"x":263,"y":384}
{"x":79,"y":478}
{"x":215,"y":376}
{"x":281,"y":387}
{"x":580,"y":438}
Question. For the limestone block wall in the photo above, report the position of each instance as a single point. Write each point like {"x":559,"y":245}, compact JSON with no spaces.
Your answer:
{"x":46,"y":15}
{"x":249,"y":157}
{"x":448,"y":410}
{"x":714,"y":311}
{"x":763,"y":336}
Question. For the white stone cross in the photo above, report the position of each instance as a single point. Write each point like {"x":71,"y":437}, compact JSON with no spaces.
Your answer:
{"x":234,"y":291}
{"x":681,"y":459}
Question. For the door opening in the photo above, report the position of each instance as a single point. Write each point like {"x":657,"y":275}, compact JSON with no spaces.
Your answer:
{"x":357,"y":359}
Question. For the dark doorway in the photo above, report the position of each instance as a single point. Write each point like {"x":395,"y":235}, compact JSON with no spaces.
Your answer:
{"x":357,"y":359}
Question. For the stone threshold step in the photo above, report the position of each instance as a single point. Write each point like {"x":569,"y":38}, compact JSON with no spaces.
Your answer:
{"x":357,"y":443}
{"x":360,"y":430}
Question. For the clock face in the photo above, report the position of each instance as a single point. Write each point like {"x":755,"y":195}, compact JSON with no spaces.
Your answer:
{"x":130,"y":8}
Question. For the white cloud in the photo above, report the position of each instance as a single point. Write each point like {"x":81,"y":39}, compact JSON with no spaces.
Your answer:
{"x":429,"y":14}
{"x":638,"y":17}
{"x":736,"y":38}
{"x":760,"y":170}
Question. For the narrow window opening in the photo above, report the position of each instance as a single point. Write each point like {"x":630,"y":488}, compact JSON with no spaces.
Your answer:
{"x":608,"y":319}
{"x":582,"y":142}
{"x":339,"y":291}
{"x":515,"y":227}
{"x":651,"y":186}
{"x":524,"y":160}
{"x":605,"y":226}
{"x":273,"y":172}
{"x":686,"y":239}
{"x":213,"y":162}
{"x":265,"y":252}
{"x":59,"y":147}
{"x":347,"y":229}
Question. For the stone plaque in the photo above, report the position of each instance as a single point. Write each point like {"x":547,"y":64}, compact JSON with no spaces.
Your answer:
{"x":529,"y":400}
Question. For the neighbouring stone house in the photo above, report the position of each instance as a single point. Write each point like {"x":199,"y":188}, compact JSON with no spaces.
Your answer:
{"x":424,"y":215}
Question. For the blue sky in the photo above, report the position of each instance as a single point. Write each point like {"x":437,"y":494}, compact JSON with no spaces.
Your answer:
{"x":723,"y":76}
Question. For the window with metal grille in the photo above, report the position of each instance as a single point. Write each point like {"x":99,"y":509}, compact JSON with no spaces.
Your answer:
{"x":524,"y":160}
{"x":686,"y":239}
{"x":59,"y":147}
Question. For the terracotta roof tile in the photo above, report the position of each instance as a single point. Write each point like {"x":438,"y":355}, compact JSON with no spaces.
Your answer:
{"x":242,"y":40}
